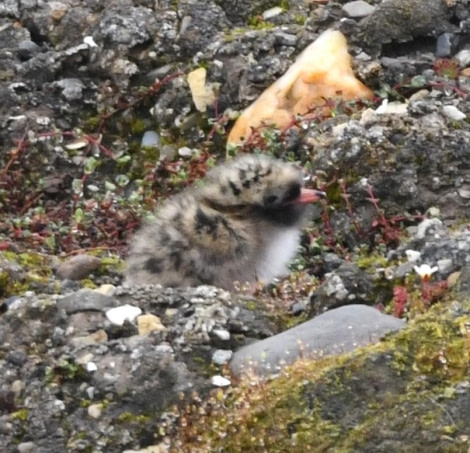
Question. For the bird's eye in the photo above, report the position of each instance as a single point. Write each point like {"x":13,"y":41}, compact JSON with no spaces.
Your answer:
{"x":270,"y":199}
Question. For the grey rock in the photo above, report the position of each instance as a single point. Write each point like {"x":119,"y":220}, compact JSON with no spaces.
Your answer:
{"x":348,"y":284}
{"x":72,"y":88}
{"x":28,"y":49}
{"x":126,"y":26}
{"x":403,"y":270}
{"x":358,"y":9}
{"x":10,"y":8}
{"x":286,"y":39}
{"x":84,"y":300}
{"x":335,"y":332}
{"x":403,"y":20}
{"x":446,"y":44}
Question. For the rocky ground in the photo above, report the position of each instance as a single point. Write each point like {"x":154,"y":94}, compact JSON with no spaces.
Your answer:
{"x":98,"y":125}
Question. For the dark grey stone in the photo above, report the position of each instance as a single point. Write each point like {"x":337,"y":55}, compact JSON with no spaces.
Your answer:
{"x":335,"y":332}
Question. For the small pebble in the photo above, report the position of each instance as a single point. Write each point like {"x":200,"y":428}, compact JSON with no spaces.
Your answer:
{"x":91,"y":367}
{"x":445,"y":45}
{"x":220,"y":381}
{"x":358,"y":9}
{"x":89,"y":41}
{"x":453,"y":113}
{"x":106,"y":289}
{"x":27,"y":49}
{"x":78,"y":267}
{"x":26,"y":447}
{"x":119,"y":315}
{"x":464,"y":193}
{"x":272,"y":12}
{"x":17,"y":386}
{"x":419,"y":95}
{"x":433,"y":211}
{"x":149,"y":323}
{"x":392,"y":108}
{"x":412,"y":255}
{"x":151,"y":138}
{"x":445,"y":265}
{"x":222,"y":356}
{"x":95,"y":410}
{"x":222,"y":334}
{"x":463,"y":58}
{"x":184,"y":151}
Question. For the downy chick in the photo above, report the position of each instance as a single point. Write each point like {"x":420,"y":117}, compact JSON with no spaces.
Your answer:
{"x":242,"y":225}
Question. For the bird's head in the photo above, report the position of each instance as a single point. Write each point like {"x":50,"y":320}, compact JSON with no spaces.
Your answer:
{"x":259,"y":186}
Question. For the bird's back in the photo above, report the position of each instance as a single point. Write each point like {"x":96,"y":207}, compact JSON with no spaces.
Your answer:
{"x":190,"y":244}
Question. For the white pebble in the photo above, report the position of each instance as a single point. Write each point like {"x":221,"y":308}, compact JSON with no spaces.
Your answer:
{"x":184,"y":151}
{"x":220,"y":381}
{"x":453,"y":113}
{"x":89,"y":41}
{"x":463,"y":58}
{"x":222,"y":356}
{"x":95,"y":410}
{"x":272,"y":12}
{"x":222,"y":334}
{"x":150,"y":138}
{"x":91,"y":366}
{"x":119,"y":315}
{"x":412,"y":255}
{"x":392,"y":108}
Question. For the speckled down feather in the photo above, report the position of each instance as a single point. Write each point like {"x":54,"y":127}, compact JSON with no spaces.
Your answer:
{"x":242,"y":225}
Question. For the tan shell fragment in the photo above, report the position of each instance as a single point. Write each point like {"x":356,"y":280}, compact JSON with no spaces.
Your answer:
{"x":322,"y":71}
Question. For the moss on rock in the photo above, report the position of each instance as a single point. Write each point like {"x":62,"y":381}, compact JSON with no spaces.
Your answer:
{"x":408,"y":393}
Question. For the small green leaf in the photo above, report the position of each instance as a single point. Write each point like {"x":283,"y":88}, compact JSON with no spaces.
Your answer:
{"x":418,"y":81}
{"x":79,"y":215}
{"x":123,"y":159}
{"x":110,"y":186}
{"x":122,"y":180}
{"x":77,"y":186}
{"x":90,"y":165}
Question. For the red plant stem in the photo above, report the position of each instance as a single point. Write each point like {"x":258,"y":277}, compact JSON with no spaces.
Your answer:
{"x":346,"y":196}
{"x":150,"y":92}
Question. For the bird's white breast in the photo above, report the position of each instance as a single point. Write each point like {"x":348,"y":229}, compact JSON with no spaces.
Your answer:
{"x":280,"y":249}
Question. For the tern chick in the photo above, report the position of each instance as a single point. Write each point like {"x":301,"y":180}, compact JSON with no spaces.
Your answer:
{"x":242,"y":225}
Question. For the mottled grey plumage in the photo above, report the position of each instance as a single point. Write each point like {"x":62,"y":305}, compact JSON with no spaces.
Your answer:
{"x":242,"y":225}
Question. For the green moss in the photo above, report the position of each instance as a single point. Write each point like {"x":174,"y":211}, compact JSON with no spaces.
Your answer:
{"x":88,"y":283}
{"x":92,"y":123}
{"x":21,"y":415}
{"x":299,"y":19}
{"x":251,"y":305}
{"x":85,"y":403}
{"x":37,"y":269}
{"x":258,"y":23}
{"x":129,"y":417}
{"x":138,"y":126}
{"x":371,"y":261}
{"x":66,"y":370}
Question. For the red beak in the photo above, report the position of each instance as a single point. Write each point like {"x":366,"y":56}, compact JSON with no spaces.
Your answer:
{"x":310,"y":195}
